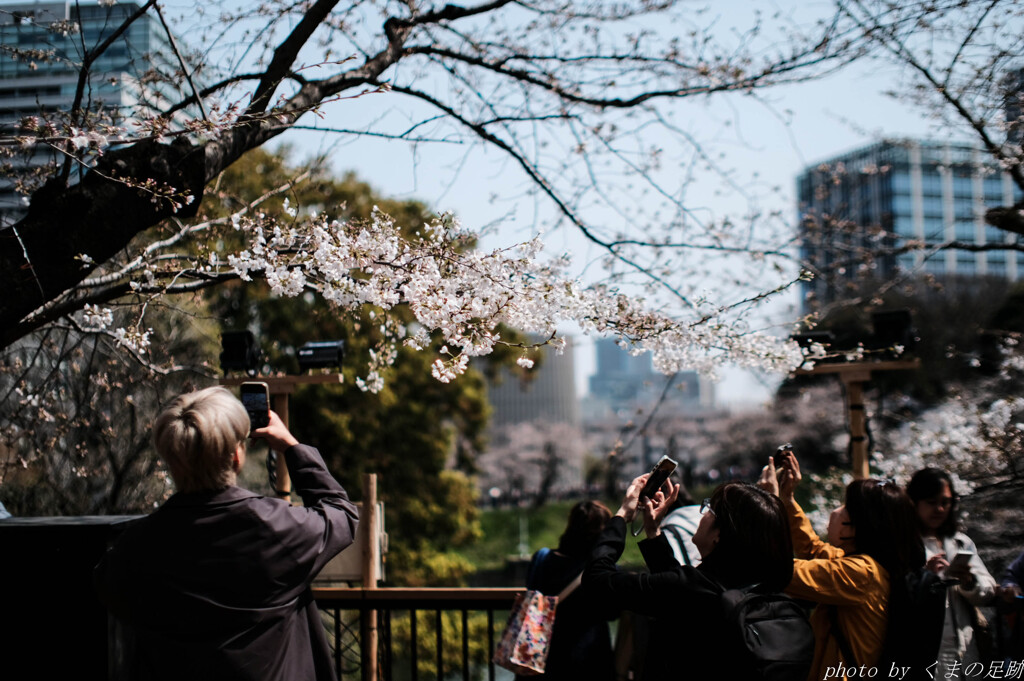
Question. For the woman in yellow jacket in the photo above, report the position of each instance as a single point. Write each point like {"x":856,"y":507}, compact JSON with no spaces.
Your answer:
{"x":872,"y":542}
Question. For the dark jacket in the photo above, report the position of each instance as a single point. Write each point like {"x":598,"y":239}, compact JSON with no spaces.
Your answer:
{"x":688,"y":638}
{"x":216,"y":585}
{"x":581,"y":646}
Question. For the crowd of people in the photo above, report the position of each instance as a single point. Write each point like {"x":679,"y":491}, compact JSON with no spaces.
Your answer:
{"x":216,"y":582}
{"x":893,"y":591}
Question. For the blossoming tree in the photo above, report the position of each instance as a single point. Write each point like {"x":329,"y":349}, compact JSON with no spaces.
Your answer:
{"x":572,"y":115}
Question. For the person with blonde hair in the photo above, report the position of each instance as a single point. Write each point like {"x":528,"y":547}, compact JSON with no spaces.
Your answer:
{"x":215,"y":584}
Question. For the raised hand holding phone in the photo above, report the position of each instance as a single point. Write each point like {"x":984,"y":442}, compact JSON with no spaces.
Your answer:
{"x":788,"y":471}
{"x":654,"y":509}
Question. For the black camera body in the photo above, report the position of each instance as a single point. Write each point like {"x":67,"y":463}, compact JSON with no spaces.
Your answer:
{"x":321,"y":355}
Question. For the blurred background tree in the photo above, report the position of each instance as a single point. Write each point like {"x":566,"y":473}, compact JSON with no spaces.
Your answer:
{"x":420,"y":436}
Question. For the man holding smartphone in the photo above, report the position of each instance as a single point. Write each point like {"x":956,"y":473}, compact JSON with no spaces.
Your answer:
{"x":215,"y":584}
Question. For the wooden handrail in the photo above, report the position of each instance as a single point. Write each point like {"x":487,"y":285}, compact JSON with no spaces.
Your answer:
{"x":406,"y":594}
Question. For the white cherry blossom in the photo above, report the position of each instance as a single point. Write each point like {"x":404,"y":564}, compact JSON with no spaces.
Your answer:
{"x":465,"y":294}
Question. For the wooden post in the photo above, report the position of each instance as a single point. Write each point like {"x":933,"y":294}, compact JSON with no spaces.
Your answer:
{"x":854,"y":375}
{"x":284,"y":478}
{"x":858,"y":429}
{"x":371,"y":559}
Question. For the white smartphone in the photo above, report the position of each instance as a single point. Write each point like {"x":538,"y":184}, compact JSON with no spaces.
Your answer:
{"x":961,"y":560}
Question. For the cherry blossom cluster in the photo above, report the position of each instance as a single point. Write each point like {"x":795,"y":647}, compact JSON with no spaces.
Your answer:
{"x":464,"y":294}
{"x":971,"y":442}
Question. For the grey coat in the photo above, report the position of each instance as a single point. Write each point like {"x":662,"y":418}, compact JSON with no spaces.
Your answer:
{"x":216,"y":585}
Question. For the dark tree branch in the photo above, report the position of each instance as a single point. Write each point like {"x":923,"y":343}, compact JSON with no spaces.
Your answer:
{"x":286,"y":53}
{"x":109,"y":293}
{"x":90,"y":56}
{"x":94,"y":218}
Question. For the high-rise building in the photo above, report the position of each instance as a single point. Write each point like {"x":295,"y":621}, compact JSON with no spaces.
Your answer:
{"x":627,"y":382}
{"x":861,"y":210}
{"x":41,"y":64}
{"x":550,"y":395}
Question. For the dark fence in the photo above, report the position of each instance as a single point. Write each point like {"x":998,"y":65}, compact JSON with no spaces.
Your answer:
{"x":420,"y":633}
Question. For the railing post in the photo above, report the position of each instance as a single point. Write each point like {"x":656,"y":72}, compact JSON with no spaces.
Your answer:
{"x":284,"y":478}
{"x":371,"y":558}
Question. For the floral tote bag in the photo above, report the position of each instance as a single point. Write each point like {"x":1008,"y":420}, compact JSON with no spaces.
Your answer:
{"x":523,"y":648}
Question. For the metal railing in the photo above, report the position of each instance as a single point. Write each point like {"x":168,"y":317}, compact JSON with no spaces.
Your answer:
{"x":404,"y":624}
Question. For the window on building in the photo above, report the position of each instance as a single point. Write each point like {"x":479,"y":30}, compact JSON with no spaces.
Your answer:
{"x":934,"y":230}
{"x":903,"y":225}
{"x":964,"y":230}
{"x":931,"y":184}
{"x":963,"y":185}
{"x":965,"y":263}
{"x":901,"y":204}
{"x":993,"y":189}
{"x":935,"y":264}
{"x":994,"y":235}
{"x":932,"y":206}
{"x":963,"y":207}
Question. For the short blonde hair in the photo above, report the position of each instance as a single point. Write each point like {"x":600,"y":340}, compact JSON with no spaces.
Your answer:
{"x":197,"y":436}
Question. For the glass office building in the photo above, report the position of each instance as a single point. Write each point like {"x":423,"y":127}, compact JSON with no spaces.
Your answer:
{"x":862,"y":213}
{"x":44,"y":45}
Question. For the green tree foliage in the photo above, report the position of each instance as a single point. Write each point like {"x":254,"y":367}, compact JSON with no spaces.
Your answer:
{"x":420,"y":436}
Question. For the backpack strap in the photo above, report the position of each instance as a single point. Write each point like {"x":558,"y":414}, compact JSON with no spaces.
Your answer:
{"x":572,"y":586}
{"x":535,"y":565}
{"x":681,"y":540}
{"x":732,"y":599}
{"x":844,"y":644}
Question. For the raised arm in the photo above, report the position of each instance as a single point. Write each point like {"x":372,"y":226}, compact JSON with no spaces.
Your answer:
{"x":326,"y":522}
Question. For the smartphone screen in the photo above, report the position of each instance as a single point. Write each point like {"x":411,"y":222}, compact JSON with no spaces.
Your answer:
{"x":256,"y":400}
{"x":659,"y":474}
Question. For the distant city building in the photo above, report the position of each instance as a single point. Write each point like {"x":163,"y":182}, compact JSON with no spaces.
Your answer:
{"x":41,"y":86}
{"x":549,"y":395}
{"x":625,"y":382}
{"x":858,"y":209}
{"x":1013,"y":96}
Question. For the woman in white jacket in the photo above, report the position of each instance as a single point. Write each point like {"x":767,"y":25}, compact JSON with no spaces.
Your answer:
{"x":931,"y":490}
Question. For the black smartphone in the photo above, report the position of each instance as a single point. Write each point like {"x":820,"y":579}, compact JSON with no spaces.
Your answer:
{"x":782,"y":452}
{"x":256,"y":400}
{"x":659,"y":474}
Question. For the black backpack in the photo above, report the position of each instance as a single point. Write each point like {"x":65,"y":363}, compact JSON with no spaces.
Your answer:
{"x":773,"y":632}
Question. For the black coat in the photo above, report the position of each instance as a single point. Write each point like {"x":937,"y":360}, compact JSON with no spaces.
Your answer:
{"x":580,"y":645}
{"x":216,"y":585}
{"x":688,"y":637}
